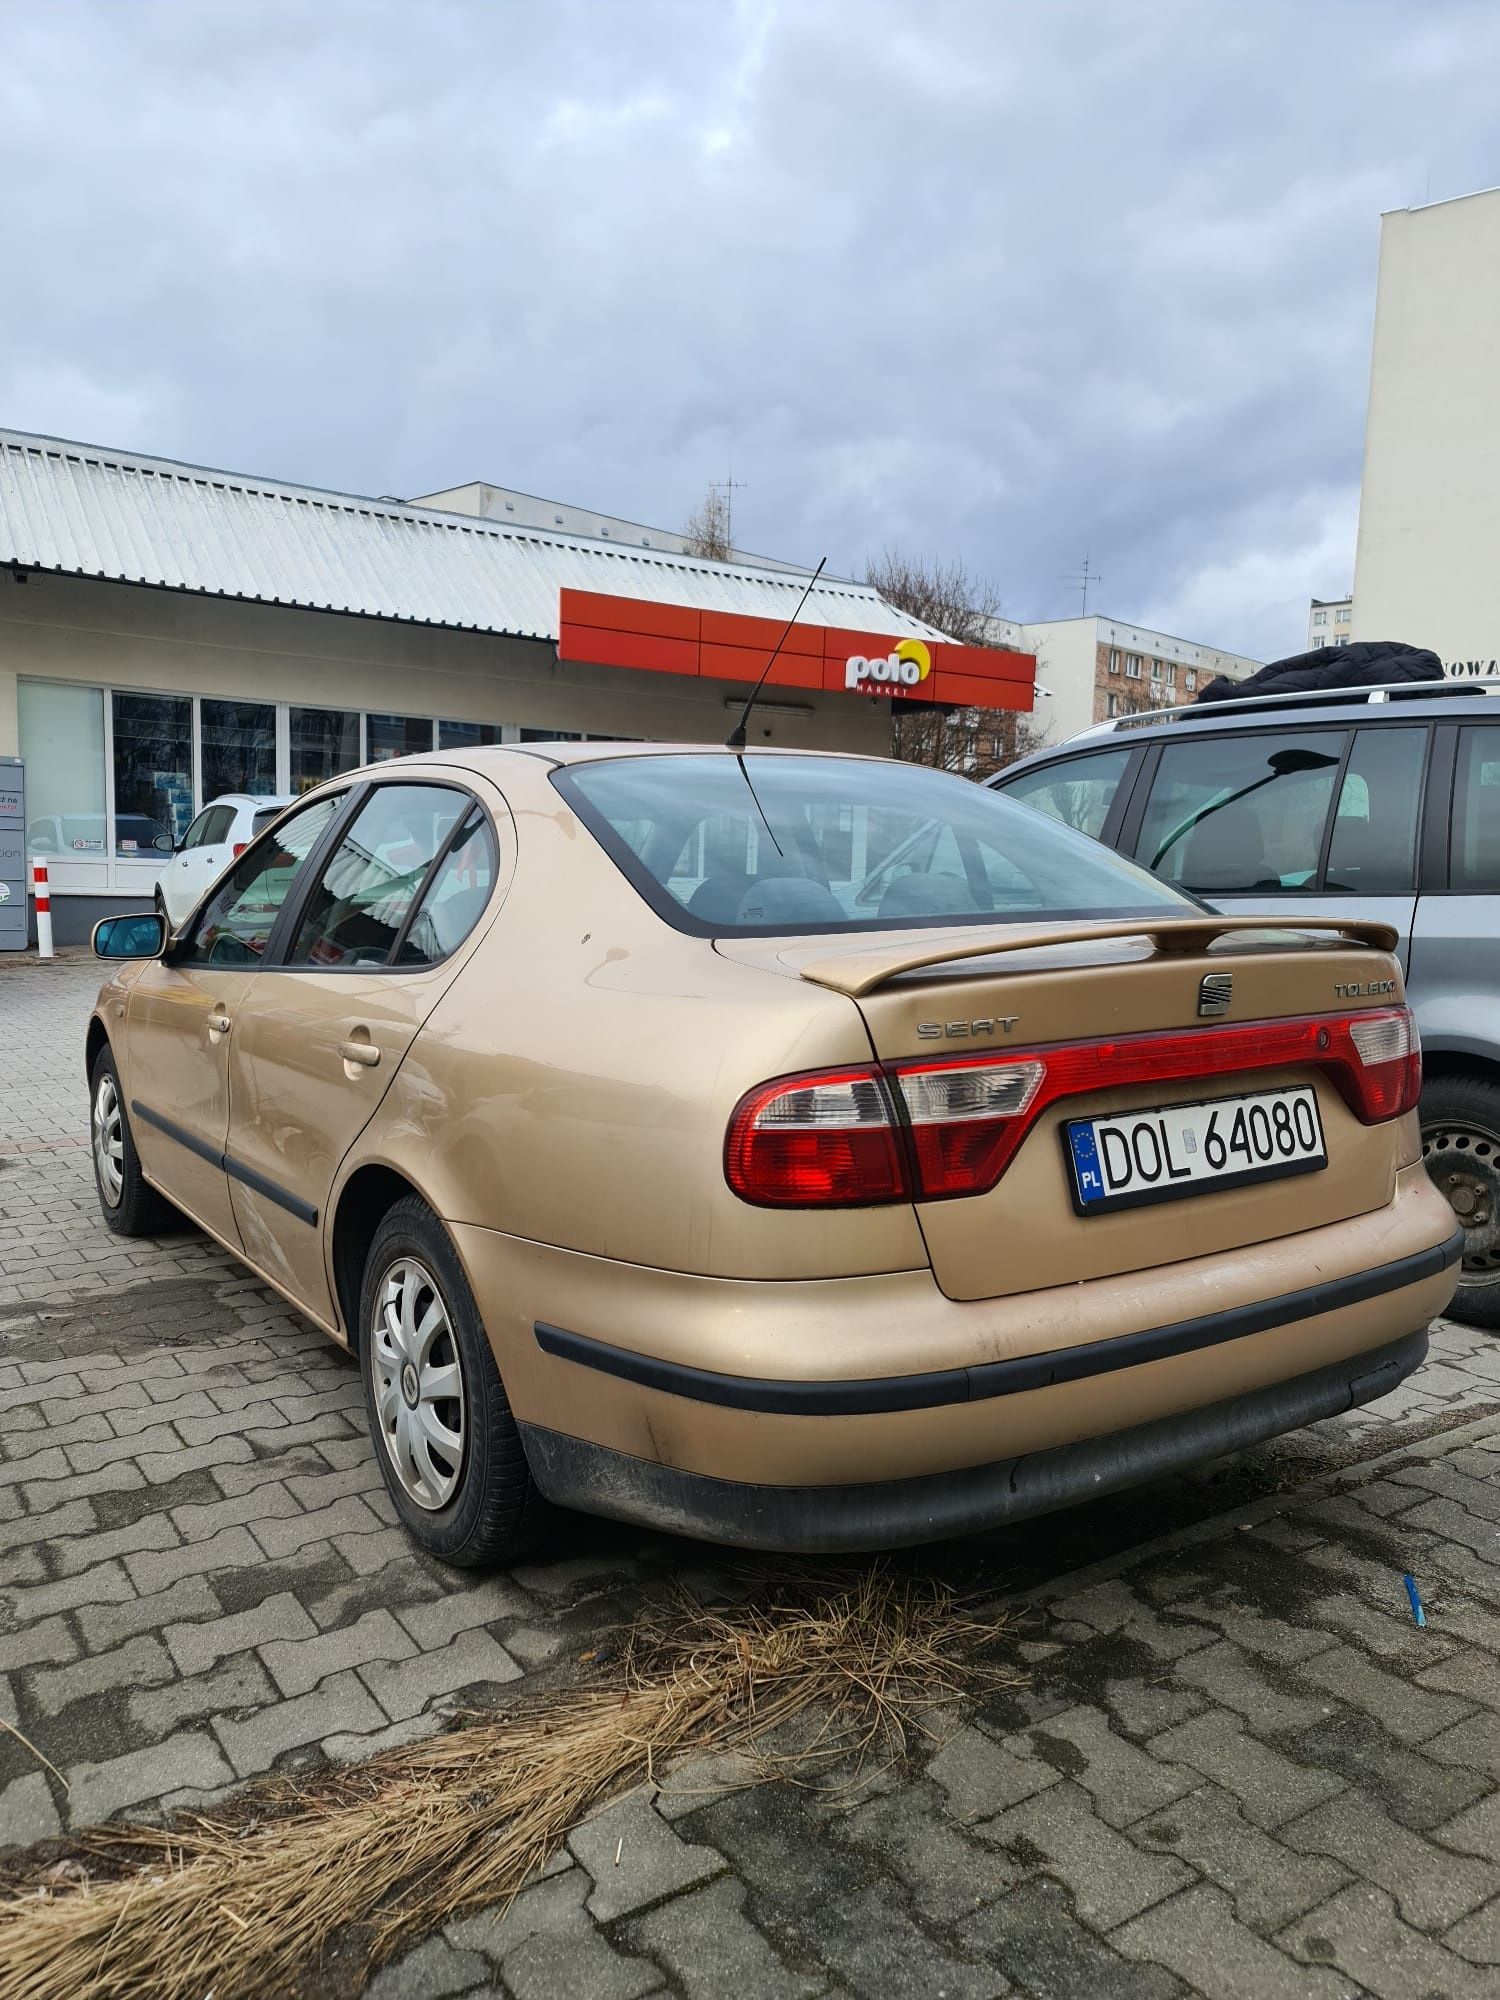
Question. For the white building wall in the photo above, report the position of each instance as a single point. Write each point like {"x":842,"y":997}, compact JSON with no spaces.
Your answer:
{"x":1426,"y":570}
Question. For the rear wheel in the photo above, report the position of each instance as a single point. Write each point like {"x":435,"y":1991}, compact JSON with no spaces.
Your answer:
{"x":447,"y":1444}
{"x":130,"y":1205}
{"x":1461,"y":1146}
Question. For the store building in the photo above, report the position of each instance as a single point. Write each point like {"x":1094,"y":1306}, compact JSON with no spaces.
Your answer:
{"x":169,"y":633}
{"x":1429,"y":515}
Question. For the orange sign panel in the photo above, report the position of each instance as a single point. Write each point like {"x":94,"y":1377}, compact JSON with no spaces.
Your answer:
{"x":727,"y":646}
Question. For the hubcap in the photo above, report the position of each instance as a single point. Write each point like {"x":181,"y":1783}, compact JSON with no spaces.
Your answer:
{"x":109,"y":1141}
{"x":1464,"y":1161}
{"x":419,"y":1386}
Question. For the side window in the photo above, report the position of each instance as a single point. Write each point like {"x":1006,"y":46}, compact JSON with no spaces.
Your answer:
{"x":197,"y":833}
{"x":235,"y":926}
{"x":360,"y":903}
{"x":1475,"y":866}
{"x":1373,"y":850}
{"x":1079,"y":791}
{"x":1241,"y":812}
{"x":454,"y":899}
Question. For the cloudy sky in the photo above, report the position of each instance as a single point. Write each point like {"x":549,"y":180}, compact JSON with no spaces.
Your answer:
{"x":965,"y":278}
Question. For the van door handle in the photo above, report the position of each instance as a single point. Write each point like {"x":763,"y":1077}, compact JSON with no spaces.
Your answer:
{"x":360,"y":1052}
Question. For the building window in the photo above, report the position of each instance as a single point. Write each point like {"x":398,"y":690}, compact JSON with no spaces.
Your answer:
{"x":322,"y":742}
{"x":1170,"y":675}
{"x":153,"y":763}
{"x":1320,"y":618}
{"x":389,"y":736}
{"x":1156,"y":670}
{"x":1319,"y":642}
{"x":1341,"y":616}
{"x":1114,"y":704}
{"x":1189,"y":680}
{"x":237,"y":747}
{"x":1133,"y":666}
{"x":62,"y":741}
{"x":1342,"y":639}
{"x":1114,"y":659}
{"x":467,"y":735}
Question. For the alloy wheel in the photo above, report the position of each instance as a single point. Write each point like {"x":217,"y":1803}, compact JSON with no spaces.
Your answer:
{"x":1464,"y":1163}
{"x":109,"y":1140}
{"x":419,"y":1387}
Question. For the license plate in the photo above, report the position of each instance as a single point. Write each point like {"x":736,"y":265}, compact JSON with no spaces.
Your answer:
{"x":1133,"y":1157}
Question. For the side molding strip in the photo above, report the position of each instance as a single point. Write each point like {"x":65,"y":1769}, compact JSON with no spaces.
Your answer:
{"x":258,"y":1182}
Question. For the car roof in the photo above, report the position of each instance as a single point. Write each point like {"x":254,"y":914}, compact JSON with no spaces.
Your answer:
{"x":1419,"y":700}
{"x":479,"y":757}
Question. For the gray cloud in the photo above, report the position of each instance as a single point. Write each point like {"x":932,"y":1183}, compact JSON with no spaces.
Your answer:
{"x":997,"y":281}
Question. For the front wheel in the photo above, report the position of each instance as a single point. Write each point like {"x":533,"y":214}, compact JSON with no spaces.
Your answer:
{"x":130,"y":1205}
{"x":448,"y":1447}
{"x":1461,"y":1148}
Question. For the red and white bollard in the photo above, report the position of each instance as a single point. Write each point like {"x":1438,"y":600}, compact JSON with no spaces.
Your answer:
{"x":41,"y":889}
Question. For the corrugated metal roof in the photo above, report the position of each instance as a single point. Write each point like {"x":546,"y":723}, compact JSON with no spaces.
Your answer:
{"x":80,"y":510}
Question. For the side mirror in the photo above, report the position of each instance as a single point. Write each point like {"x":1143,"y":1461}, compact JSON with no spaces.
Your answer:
{"x":143,"y":934}
{"x":165,"y":844}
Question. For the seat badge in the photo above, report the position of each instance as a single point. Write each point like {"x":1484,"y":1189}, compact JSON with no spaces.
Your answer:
{"x":1215,"y":991}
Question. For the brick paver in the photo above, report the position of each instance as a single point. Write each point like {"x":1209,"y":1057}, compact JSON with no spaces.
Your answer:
{"x":1239,"y":1768}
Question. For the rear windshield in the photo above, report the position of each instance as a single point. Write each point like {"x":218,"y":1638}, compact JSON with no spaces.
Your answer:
{"x":800,"y":844}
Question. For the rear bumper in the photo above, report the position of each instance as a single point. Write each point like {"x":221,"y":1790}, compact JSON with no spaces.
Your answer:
{"x":890,"y":1513}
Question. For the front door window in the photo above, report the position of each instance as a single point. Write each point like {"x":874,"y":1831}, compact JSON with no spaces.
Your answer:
{"x":236,"y":923}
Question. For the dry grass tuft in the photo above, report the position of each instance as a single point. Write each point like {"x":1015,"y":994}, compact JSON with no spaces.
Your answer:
{"x":227,"y":1906}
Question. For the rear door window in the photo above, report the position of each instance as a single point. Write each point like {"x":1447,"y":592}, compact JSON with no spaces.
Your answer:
{"x":358,"y":907}
{"x":1077,"y":790}
{"x":1475,"y":866}
{"x":1373,"y":848}
{"x":1244,"y":812}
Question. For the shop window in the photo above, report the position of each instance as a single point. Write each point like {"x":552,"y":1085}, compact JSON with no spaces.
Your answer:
{"x":62,"y":742}
{"x":551,"y":736}
{"x":467,"y":735}
{"x":324,"y":742}
{"x":390,"y":736}
{"x":238,"y":747}
{"x":153,"y":758}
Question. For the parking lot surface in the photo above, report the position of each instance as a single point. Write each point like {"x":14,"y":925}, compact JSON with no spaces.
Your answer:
{"x":1239,"y":1767}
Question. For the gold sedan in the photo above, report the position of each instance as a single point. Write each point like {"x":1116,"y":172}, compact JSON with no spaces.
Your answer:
{"x":797,"y":1150}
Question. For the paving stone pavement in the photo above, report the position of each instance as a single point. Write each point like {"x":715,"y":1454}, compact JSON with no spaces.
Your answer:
{"x":1239,"y":1768}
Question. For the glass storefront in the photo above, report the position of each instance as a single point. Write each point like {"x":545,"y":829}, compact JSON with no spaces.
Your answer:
{"x":323,"y":742}
{"x":115,"y":777}
{"x":237,"y":747}
{"x":153,"y":772}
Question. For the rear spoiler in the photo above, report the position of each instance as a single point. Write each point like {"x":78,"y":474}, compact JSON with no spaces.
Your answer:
{"x":860,"y":972}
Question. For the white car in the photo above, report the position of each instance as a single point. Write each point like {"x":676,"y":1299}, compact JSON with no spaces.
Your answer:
{"x":220,"y":834}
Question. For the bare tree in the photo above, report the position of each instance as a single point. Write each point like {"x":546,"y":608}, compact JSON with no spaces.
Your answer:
{"x":974,"y":741}
{"x":707,"y":530}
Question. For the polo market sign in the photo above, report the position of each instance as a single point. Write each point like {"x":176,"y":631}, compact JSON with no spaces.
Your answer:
{"x":901,"y":671}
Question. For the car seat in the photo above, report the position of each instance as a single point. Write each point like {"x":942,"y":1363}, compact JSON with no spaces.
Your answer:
{"x":1227,"y":850}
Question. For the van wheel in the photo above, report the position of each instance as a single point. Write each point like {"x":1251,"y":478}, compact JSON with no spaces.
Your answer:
{"x":1461,"y":1146}
{"x":130,"y":1205}
{"x":447,"y":1444}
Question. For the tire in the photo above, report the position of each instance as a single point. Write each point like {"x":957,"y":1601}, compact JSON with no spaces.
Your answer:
{"x":128,"y":1202}
{"x":1461,"y":1146}
{"x":471,"y":1503}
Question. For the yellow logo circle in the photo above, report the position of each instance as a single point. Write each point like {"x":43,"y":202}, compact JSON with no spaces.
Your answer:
{"x":915,"y":651}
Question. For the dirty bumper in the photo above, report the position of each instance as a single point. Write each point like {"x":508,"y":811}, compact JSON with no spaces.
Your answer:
{"x":891,"y":1513}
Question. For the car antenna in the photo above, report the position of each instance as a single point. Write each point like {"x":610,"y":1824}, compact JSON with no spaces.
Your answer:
{"x":736,"y":737}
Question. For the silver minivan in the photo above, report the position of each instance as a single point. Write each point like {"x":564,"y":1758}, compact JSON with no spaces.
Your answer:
{"x":1374,"y":802}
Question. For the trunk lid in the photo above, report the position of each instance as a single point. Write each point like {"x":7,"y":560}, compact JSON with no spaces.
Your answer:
{"x":935,"y":995}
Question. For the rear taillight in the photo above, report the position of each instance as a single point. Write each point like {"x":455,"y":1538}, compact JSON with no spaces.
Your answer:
{"x":929,"y":1131}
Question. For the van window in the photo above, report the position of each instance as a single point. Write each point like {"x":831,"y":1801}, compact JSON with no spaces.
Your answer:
{"x":1475,"y":867}
{"x":1077,"y":790}
{"x":1239,"y":813}
{"x":1373,"y":851}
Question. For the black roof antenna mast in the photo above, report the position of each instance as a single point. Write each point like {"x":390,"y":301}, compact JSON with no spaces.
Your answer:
{"x":736,"y":737}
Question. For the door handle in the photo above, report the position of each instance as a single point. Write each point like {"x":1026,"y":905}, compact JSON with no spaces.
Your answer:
{"x":365,"y":1053}
{"x":218,"y":1026}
